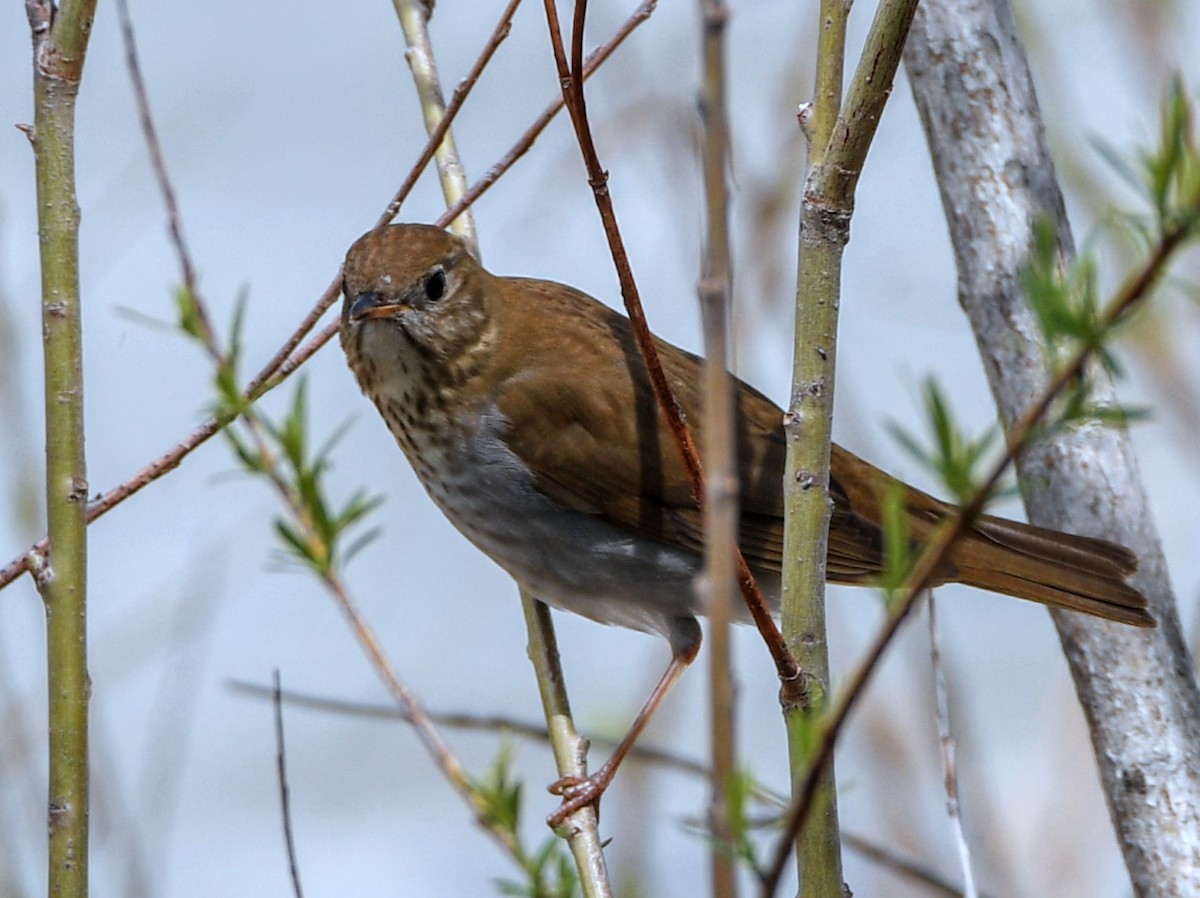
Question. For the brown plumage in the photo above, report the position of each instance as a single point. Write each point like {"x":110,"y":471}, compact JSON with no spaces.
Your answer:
{"x":527,"y":413}
{"x":564,"y":371}
{"x":591,"y":459}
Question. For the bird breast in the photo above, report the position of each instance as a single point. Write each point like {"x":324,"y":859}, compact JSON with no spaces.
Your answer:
{"x":456,"y":442}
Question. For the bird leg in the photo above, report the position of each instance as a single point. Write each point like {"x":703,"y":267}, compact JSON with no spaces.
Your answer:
{"x":579,"y":792}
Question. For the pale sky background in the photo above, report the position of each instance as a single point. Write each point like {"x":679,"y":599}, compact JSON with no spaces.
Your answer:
{"x":286,"y":128}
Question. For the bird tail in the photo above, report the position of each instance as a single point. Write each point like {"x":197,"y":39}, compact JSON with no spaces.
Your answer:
{"x":1062,"y":570}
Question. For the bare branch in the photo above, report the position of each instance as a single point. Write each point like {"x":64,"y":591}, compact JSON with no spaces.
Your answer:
{"x":414,"y":20}
{"x":949,"y":748}
{"x":284,"y":791}
{"x":721,"y":498}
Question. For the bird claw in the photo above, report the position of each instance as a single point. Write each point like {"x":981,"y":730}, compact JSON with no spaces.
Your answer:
{"x":577,"y":793}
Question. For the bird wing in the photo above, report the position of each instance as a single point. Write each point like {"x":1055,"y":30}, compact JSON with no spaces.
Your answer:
{"x":594,"y":440}
{"x":598,"y":443}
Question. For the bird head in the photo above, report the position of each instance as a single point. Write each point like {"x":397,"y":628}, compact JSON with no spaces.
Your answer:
{"x":414,"y":281}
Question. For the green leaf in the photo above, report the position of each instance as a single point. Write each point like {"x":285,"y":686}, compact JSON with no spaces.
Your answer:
{"x":251,"y":460}
{"x":954,"y":458}
{"x":897,"y":541}
{"x":500,"y":794}
{"x":294,"y":541}
{"x":188,"y":313}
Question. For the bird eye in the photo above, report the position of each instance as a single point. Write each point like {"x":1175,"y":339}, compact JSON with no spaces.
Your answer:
{"x":435,"y":285}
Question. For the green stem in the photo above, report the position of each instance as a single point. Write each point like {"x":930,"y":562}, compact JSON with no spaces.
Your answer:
{"x":838,"y":143}
{"x":60,"y":43}
{"x":570,"y":749}
{"x":721,"y":485}
{"x":414,"y":20}
{"x":809,"y":426}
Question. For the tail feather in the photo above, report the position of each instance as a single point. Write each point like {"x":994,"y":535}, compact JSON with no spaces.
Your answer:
{"x":1059,"y":569}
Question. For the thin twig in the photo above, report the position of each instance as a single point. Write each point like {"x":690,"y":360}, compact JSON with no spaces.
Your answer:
{"x":949,"y":748}
{"x":171,"y":459}
{"x":598,"y":179}
{"x":455,"y":721}
{"x":492,"y":723}
{"x":159,"y":167}
{"x":293,"y":362}
{"x":488,"y":723}
{"x":461,"y":92}
{"x":187,"y":268}
{"x":268,"y":376}
{"x":902,"y":866}
{"x":434,"y":744}
{"x":715,"y":290}
{"x":285,"y":801}
{"x":414,"y":22}
{"x":526,"y":140}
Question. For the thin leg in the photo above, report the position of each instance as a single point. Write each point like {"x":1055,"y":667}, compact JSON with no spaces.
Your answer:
{"x":578,"y":793}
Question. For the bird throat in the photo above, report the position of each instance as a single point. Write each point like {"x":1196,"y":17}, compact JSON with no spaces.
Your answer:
{"x":427,"y":394}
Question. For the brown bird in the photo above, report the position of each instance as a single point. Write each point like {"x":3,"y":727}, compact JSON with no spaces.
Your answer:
{"x":527,"y":413}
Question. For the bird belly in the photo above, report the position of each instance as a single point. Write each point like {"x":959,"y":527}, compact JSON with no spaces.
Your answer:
{"x":570,"y":559}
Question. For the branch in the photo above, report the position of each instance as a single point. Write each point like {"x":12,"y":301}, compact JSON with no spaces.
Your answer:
{"x":839,"y":138}
{"x":884,"y":856}
{"x":576,"y":104}
{"x":1137,"y":688}
{"x":159,"y":166}
{"x":1021,"y":436}
{"x":595,"y":59}
{"x":808,"y":426}
{"x":414,"y":19}
{"x":570,"y":749}
{"x":583,"y":826}
{"x":439,"y":131}
{"x":949,"y":746}
{"x":721,"y":498}
{"x":414,"y":711}
{"x":60,"y":39}
{"x":285,"y":792}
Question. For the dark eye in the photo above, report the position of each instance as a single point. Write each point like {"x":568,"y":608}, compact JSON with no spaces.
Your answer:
{"x":435,"y":285}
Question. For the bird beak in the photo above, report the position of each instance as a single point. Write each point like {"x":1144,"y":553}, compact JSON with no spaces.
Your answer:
{"x":371,"y":305}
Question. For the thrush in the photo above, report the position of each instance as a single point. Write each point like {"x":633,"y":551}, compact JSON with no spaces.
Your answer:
{"x":527,"y":413}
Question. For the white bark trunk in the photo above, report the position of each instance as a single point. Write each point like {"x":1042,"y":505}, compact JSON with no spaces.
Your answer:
{"x":974,"y":91}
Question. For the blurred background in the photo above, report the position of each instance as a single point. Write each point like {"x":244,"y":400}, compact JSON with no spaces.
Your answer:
{"x":286,"y":128}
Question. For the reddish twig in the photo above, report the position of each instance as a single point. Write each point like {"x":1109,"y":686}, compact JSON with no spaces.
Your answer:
{"x":285,"y":791}
{"x":597,"y":58}
{"x":159,"y":166}
{"x":499,"y":33}
{"x":269,"y":376}
{"x":576,"y":104}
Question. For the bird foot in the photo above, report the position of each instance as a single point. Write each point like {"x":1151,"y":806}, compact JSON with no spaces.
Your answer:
{"x":577,"y":793}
